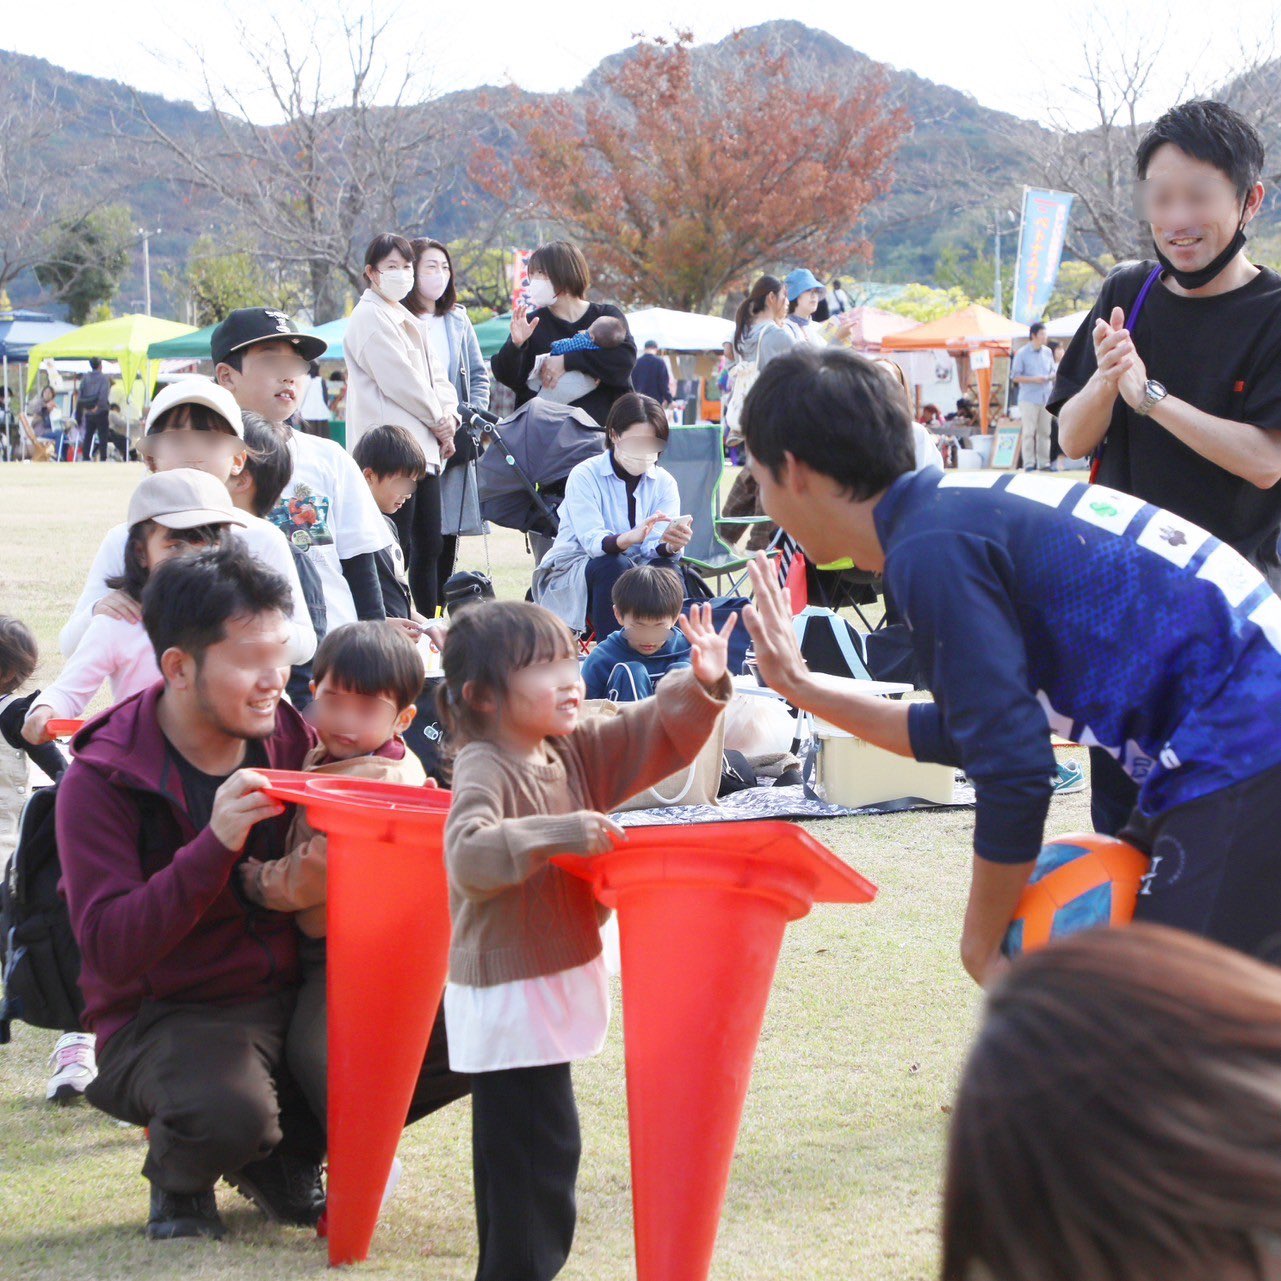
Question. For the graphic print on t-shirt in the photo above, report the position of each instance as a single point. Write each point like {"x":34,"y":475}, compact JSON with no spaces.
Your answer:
{"x":303,"y":517}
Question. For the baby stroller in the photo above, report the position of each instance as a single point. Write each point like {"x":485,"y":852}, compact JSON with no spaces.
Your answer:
{"x":530,"y":454}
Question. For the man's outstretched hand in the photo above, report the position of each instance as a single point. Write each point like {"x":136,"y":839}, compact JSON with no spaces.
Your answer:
{"x":769,"y":621}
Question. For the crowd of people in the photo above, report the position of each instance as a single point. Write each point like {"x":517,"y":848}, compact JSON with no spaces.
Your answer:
{"x":267,"y":601}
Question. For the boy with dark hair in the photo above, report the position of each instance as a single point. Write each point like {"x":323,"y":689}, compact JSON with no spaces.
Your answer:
{"x":628,"y":664}
{"x":392,"y":463}
{"x":1037,"y":607}
{"x":263,"y":359}
{"x":1173,"y":381}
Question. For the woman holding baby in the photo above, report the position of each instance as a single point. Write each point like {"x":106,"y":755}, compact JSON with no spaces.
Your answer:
{"x":562,"y":346}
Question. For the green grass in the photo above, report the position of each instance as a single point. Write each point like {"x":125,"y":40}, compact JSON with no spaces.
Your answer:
{"x":838,"y":1166}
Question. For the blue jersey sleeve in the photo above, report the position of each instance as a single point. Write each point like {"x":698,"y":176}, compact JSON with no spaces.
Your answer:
{"x":986,"y":717}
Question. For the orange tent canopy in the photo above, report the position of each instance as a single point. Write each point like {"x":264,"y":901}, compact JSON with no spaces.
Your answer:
{"x":972,"y":326}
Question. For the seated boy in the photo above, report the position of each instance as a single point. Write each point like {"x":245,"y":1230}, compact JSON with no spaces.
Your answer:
{"x":603,"y":334}
{"x":627,"y":665}
{"x":367,"y":677}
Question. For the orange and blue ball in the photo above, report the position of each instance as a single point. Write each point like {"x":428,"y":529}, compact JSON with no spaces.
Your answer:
{"x":1079,"y":882}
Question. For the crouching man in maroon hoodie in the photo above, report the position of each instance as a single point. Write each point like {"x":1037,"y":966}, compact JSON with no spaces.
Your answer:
{"x":188,"y":986}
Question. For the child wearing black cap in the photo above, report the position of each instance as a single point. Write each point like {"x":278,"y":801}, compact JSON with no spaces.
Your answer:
{"x":263,"y":359}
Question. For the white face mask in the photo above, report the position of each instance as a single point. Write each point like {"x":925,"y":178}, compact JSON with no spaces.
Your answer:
{"x":635,"y":462}
{"x":395,"y":282}
{"x":541,"y":293}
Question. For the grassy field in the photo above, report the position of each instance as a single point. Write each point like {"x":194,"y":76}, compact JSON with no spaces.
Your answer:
{"x":838,"y":1164}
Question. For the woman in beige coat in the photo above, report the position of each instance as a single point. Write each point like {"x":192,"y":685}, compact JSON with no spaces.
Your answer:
{"x":393,"y":378}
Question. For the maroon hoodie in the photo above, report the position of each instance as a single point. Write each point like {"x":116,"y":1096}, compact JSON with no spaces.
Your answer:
{"x":151,"y":899}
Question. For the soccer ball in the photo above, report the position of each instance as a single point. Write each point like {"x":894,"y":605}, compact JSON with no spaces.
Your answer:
{"x":1079,"y":881}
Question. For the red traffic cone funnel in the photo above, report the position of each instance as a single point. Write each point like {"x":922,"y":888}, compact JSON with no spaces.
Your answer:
{"x":386,"y":887}
{"x":701,"y":914}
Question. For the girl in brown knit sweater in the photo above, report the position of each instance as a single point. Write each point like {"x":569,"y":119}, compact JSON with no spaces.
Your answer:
{"x":528,"y":993}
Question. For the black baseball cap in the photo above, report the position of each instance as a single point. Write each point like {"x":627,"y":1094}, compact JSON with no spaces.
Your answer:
{"x":249,"y":325}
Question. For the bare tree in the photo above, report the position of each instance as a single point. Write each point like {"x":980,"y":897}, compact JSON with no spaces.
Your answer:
{"x":356,"y":146}
{"x":1119,"y":86}
{"x":41,"y":171}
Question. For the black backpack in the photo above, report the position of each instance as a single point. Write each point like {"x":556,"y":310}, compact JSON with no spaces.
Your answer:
{"x":38,"y":954}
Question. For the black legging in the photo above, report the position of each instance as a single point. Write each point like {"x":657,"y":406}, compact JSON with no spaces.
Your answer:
{"x":429,"y":554}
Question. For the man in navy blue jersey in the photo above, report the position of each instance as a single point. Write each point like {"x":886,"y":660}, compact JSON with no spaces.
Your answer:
{"x":1038,"y":606}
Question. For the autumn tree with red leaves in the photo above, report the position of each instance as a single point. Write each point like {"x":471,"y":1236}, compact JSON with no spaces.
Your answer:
{"x":680,"y":181}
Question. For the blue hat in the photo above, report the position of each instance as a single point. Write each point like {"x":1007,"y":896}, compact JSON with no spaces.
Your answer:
{"x":799,"y":281}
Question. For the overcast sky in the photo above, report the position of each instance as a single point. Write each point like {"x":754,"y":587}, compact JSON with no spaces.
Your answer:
{"x":1019,"y":57}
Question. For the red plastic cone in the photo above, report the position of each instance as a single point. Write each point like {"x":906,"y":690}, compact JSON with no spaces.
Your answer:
{"x":701,"y":914}
{"x":388,"y":922}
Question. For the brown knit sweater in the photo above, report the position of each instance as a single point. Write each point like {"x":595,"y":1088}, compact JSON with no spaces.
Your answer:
{"x":516,"y":915}
{"x":297,"y":882}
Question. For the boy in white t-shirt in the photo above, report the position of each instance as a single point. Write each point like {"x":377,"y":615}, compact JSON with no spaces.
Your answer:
{"x":192,"y":423}
{"x":262,"y":358}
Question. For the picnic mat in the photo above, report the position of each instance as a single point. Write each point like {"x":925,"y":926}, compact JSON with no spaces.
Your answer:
{"x":779,"y":802}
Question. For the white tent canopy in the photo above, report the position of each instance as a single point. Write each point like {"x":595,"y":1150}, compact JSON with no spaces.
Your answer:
{"x":679,"y":330}
{"x":1066,"y":326}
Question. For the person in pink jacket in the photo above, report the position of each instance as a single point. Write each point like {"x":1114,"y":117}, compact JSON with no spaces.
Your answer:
{"x":170,"y":513}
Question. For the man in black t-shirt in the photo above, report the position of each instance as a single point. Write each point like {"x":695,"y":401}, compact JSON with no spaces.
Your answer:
{"x":1181,"y":402}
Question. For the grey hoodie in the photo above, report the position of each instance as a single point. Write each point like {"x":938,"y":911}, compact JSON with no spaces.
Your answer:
{"x":763,"y":341}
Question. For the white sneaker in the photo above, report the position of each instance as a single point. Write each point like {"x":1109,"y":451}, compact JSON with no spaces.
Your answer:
{"x":74,"y":1067}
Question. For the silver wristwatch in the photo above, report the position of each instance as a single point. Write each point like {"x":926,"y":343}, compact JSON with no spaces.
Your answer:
{"x":1154,"y":394}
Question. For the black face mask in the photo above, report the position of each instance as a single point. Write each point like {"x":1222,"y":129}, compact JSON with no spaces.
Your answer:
{"x":1195,"y":279}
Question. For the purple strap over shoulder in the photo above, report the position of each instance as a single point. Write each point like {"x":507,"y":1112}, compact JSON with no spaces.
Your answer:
{"x":1133,"y":318}
{"x":1130,"y":321}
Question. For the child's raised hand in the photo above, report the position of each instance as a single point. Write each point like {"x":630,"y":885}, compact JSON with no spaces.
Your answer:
{"x":600,"y":834}
{"x":710,"y":650}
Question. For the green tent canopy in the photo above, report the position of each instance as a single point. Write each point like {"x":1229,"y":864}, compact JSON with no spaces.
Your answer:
{"x":493,"y":333}
{"x":125,"y":339}
{"x":192,"y":346}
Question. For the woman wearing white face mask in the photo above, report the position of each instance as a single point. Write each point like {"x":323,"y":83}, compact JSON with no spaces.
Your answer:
{"x":394,"y":376}
{"x":558,"y":285}
{"x":621,"y":509}
{"x":432,"y":519}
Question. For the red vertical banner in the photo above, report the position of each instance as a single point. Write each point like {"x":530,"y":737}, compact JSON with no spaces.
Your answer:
{"x":518,"y":270}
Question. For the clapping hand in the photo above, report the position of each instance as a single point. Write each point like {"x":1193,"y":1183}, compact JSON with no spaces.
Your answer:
{"x":1118,"y":361}
{"x":710,"y":651}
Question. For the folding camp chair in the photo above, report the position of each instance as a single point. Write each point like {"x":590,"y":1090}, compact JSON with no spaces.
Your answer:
{"x":840,"y":584}
{"x":695,"y":456}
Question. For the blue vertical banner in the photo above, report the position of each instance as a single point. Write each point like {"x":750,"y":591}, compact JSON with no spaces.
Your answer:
{"x":1041,"y":235}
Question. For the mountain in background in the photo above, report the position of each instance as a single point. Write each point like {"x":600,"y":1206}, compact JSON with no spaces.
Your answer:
{"x":960,"y":163}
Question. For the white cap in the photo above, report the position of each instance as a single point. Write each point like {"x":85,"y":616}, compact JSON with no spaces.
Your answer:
{"x":182,"y":499}
{"x":198,"y":391}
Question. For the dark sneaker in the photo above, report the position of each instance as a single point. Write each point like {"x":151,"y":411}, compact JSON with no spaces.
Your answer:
{"x":286,"y":1188}
{"x":183,"y":1214}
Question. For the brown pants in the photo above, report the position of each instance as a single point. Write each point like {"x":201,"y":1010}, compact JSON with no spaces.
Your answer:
{"x":744,"y":499}
{"x":214,"y":1091}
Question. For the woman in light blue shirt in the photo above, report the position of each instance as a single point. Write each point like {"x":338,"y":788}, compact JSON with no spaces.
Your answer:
{"x":620,"y":510}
